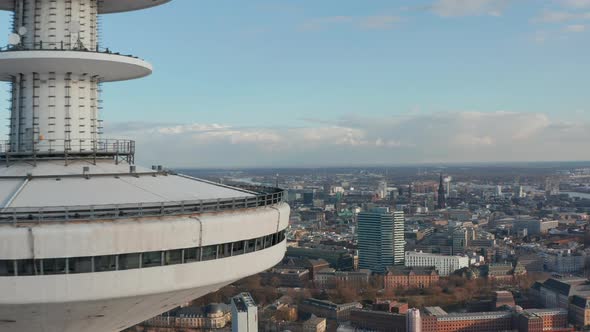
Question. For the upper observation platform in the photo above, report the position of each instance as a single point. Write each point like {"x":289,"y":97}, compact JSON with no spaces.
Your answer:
{"x":106,"y":6}
{"x":105,"y":65}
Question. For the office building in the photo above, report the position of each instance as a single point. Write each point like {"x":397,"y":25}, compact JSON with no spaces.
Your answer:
{"x":380,"y":239}
{"x":434,"y":319}
{"x":565,"y":261}
{"x":410,"y":277}
{"x":370,"y":320}
{"x":244,"y":314}
{"x":444,"y":265}
{"x":579,"y":311}
{"x":382,"y":190}
{"x":327,"y":309}
{"x":558,"y":292}
{"x":330,"y":278}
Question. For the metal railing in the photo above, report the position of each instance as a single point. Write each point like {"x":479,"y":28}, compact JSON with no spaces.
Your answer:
{"x":265,"y":197}
{"x":36,"y":149}
{"x":60,"y":46}
{"x":51,"y":146}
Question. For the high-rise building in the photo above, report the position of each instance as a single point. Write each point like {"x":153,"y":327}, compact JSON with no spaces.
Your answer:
{"x":376,"y":239}
{"x":499,"y":191}
{"x":518,"y":191}
{"x":244,"y":314}
{"x":448,"y":180}
{"x":90,"y":241}
{"x":399,"y":241}
{"x":442,"y":200}
{"x":382,"y":190}
{"x":381,"y":239}
{"x":414,"y":322}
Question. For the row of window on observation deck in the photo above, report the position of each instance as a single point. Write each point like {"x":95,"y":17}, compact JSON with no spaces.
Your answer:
{"x":75,"y":265}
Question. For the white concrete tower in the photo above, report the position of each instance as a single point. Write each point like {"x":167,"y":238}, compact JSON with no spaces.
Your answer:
{"x":55,"y":65}
{"x":89,"y":241}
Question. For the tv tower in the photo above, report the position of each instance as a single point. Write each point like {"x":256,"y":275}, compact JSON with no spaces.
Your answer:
{"x":90,"y":241}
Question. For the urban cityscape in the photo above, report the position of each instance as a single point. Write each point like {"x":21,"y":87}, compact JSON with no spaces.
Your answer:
{"x":425,"y":248}
{"x":282,"y":166}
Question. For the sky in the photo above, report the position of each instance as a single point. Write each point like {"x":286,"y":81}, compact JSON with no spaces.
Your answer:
{"x":262,"y":83}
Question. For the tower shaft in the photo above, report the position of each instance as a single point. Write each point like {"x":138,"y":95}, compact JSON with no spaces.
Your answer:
{"x":55,"y":111}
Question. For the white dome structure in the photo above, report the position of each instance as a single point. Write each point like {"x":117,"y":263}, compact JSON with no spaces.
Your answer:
{"x":89,"y":241}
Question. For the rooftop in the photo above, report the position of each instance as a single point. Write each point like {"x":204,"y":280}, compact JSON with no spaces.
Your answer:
{"x":83,"y":190}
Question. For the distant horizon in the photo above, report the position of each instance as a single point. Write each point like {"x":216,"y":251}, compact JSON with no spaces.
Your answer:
{"x":554,"y":164}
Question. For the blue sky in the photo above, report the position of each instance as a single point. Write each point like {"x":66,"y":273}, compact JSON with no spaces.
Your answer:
{"x":259,"y":83}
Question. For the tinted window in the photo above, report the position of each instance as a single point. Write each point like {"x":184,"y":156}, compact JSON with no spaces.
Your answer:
{"x":238,"y":248}
{"x":191,"y":255}
{"x":173,"y":257}
{"x":53,"y":266}
{"x":150,"y":259}
{"x":224,"y":250}
{"x":209,"y":253}
{"x":251,"y":246}
{"x":6,"y":268}
{"x":105,"y":263}
{"x":80,"y":265}
{"x":128,"y":261}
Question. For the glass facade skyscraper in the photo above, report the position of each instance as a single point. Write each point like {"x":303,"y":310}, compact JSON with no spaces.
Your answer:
{"x":380,"y":239}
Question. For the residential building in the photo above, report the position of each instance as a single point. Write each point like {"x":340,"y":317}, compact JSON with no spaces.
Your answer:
{"x":399,"y":241}
{"x":314,"y":324}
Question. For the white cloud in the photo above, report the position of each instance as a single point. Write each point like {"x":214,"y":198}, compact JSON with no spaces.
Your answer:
{"x":380,"y":22}
{"x":549,"y":16}
{"x":414,"y":138}
{"x":575,"y":3}
{"x":454,"y":8}
{"x":575,"y":28}
{"x":376,"y":22}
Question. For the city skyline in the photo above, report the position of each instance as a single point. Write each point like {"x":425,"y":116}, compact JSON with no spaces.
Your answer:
{"x":330,"y":84}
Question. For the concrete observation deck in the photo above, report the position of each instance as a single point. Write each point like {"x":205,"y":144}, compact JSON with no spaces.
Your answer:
{"x":106,"y":6}
{"x":52,"y":191}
